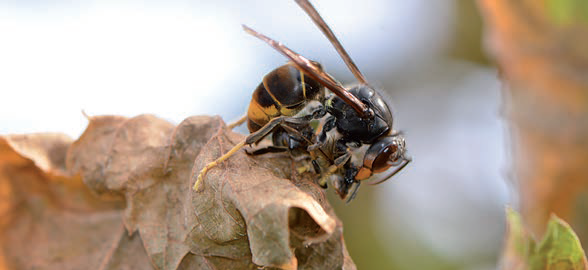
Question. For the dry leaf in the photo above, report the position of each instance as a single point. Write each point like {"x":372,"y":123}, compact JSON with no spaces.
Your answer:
{"x":49,"y":221}
{"x":137,"y":209}
{"x":542,"y":50}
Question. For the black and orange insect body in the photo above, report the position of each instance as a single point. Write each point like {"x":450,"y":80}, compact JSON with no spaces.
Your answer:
{"x":354,"y":140}
{"x":384,"y":149}
{"x":285,"y":91}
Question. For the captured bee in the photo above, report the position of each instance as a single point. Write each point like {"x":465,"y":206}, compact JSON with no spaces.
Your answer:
{"x":354,"y":140}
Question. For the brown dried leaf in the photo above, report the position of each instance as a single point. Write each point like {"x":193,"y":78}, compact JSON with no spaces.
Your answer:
{"x":263,"y":208}
{"x":249,"y":214}
{"x":48,"y":221}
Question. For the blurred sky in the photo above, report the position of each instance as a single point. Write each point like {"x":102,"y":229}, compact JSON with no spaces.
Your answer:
{"x":180,"y":58}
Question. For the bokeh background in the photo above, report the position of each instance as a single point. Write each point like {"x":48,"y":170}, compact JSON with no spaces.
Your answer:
{"x":180,"y":58}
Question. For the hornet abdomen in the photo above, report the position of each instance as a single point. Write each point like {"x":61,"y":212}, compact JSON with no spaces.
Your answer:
{"x":283,"y":92}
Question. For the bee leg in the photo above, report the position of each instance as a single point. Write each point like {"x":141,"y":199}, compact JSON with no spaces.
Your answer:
{"x":215,"y":163}
{"x":237,"y":123}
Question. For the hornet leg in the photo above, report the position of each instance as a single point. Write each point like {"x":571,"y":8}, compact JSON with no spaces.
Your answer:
{"x":265,"y":150}
{"x":216,"y":162}
{"x":237,"y":123}
{"x":339,"y":162}
{"x":254,"y":137}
